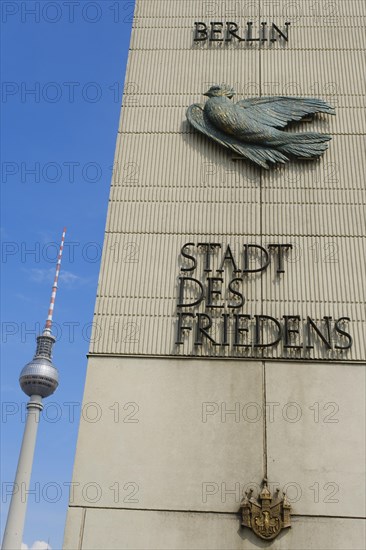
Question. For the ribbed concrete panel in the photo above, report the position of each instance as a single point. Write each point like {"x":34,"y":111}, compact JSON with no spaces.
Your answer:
{"x":159,"y":217}
{"x":342,"y":167}
{"x":284,"y":216}
{"x":115,"y":327}
{"x":128,"y":258}
{"x":320,"y":269}
{"x":233,"y":8}
{"x":305,"y":72}
{"x":191,"y":196}
{"x":156,"y":72}
{"x":335,"y":10}
{"x":348,"y":120}
{"x":176,"y":161}
{"x":135,"y":314}
{"x":350,"y":102}
{"x":173,"y":120}
{"x":130,"y":100}
{"x":155,"y":335}
{"x":307,"y":22}
{"x":313,"y":37}
{"x":144,"y":335}
{"x":319,"y":352}
{"x":318,"y":200}
{"x":317,"y":311}
{"x":194,"y":8}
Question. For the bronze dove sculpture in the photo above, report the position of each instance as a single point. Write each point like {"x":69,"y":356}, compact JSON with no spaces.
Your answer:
{"x":252,"y":128}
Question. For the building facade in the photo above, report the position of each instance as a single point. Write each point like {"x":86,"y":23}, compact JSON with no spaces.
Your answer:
{"x":229,"y":330}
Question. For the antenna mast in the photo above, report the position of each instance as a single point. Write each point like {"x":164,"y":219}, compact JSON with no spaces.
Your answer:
{"x":48,"y":325}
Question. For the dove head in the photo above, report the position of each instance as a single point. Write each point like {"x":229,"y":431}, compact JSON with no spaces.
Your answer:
{"x":220,"y":91}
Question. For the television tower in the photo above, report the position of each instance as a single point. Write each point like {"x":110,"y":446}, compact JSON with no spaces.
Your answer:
{"x":38,"y":379}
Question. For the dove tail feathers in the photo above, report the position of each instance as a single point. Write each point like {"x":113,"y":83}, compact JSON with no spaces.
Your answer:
{"x":308,"y":145}
{"x":260,"y":155}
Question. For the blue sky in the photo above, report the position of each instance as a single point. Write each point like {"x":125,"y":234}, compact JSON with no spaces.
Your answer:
{"x":63,"y":70}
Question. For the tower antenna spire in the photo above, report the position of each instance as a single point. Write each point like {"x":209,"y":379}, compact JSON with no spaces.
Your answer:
{"x":48,"y":325}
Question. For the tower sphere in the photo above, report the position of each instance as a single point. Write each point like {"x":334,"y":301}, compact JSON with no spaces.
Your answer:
{"x":39,"y":377}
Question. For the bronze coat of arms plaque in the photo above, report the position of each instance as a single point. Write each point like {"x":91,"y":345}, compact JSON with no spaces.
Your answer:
{"x":266,"y":515}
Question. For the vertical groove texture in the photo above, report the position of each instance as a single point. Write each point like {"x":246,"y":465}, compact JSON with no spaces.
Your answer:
{"x":172,"y":186}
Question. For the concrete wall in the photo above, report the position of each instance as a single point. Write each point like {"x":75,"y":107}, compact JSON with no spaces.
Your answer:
{"x":171,"y":436}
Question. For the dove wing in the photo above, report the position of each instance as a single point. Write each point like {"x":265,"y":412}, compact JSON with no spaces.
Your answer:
{"x":256,"y":153}
{"x":278,"y":111}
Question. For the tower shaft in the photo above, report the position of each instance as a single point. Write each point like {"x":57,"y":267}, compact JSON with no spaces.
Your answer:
{"x":16,"y":517}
